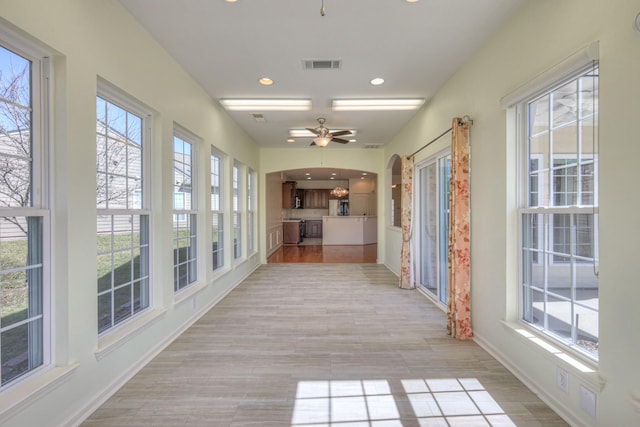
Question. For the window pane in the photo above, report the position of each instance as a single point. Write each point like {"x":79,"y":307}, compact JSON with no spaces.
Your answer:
{"x":122,"y":299}
{"x":564,"y":102}
{"x":559,"y":316}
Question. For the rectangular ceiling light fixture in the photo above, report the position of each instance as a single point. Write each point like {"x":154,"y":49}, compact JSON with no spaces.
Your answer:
{"x":303,"y":133}
{"x":266,"y":104}
{"x":377,"y":104}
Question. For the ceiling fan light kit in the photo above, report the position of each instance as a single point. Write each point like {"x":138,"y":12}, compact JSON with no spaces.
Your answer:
{"x":324,"y":135}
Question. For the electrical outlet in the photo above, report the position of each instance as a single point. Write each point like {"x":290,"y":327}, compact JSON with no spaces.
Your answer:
{"x":588,"y":401}
{"x":562,"y":380}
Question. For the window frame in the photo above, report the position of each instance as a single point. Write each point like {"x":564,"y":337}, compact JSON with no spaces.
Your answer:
{"x":545,"y":238}
{"x":441,"y":294}
{"x":252,"y":199}
{"x":222,"y":214}
{"x":193,"y":260}
{"x":115,"y":96}
{"x":40,"y":70}
{"x":238,"y":212}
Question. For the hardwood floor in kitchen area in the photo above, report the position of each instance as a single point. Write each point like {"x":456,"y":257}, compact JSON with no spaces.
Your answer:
{"x":318,"y":253}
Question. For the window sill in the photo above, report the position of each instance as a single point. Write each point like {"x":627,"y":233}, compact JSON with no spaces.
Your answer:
{"x":122,"y":334}
{"x":585,"y":369}
{"x":188,"y":292}
{"x":25,"y":392}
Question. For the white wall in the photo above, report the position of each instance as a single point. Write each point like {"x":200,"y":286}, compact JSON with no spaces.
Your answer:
{"x":91,"y":39}
{"x":540,"y":35}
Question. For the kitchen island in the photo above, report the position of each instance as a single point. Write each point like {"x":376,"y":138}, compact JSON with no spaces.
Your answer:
{"x":349,"y":230}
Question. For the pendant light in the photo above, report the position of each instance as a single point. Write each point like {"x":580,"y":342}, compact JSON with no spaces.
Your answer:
{"x":339,"y":192}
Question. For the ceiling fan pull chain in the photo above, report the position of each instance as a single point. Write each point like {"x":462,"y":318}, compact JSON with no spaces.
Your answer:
{"x":322,"y":9}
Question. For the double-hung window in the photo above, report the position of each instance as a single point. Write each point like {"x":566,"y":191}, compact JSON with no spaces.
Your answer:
{"x":559,"y":211}
{"x":24,"y":215}
{"x":122,"y":208}
{"x":217,"y":209}
{"x":185,"y":253}
{"x":237,"y":210}
{"x":251,"y":210}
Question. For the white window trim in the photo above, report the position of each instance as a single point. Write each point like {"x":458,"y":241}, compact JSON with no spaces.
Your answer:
{"x":252,"y":201}
{"x":42,"y":174}
{"x":241,"y":212}
{"x":195,"y":142}
{"x":120,"y":332}
{"x":571,"y":68}
{"x":224,"y":202}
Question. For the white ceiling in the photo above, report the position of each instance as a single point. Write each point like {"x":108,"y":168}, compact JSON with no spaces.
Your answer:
{"x":415,"y":47}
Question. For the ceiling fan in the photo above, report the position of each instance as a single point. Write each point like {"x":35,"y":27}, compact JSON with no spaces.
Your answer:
{"x":325,"y":136}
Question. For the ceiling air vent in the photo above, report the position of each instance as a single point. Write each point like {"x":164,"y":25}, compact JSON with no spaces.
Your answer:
{"x":321,"y":64}
{"x":373,"y":145}
{"x":258,"y":117}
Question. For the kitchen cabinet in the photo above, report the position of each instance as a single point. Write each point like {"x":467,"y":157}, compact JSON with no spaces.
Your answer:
{"x":316,"y":199}
{"x":313,"y":228}
{"x":291,"y":232}
{"x":288,"y":194}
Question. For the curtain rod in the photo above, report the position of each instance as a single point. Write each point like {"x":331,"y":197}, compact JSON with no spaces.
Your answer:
{"x":463,"y":120}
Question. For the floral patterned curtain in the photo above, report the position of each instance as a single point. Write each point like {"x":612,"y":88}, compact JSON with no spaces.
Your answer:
{"x":406,"y":262}
{"x":459,"y":301}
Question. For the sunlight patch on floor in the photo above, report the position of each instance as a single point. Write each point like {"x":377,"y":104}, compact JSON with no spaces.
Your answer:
{"x":445,"y":402}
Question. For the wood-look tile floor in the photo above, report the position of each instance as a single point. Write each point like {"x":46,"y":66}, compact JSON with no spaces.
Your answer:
{"x":323,"y":345}
{"x":326,"y":253}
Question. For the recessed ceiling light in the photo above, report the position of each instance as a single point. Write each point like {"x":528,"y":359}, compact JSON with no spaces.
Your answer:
{"x":377,"y":104}
{"x":308,"y":177}
{"x":332,"y":177}
{"x":265,"y":81}
{"x":364,"y":173}
{"x":307,"y":173}
{"x":408,"y":1}
{"x":352,"y":140}
{"x":377,"y":81}
{"x":233,"y":1}
{"x":333,"y":174}
{"x":266,"y":104}
{"x":291,"y":140}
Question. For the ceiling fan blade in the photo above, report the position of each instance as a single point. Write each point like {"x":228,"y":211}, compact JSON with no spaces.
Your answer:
{"x":341,"y":133}
{"x":339,"y":140}
{"x":315,"y":131}
{"x":312,"y":144}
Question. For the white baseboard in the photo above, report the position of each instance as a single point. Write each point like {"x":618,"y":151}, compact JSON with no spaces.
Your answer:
{"x":563,"y":411}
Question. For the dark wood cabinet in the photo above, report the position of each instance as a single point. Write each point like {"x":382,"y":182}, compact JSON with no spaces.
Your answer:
{"x":288,"y":194}
{"x":316,"y":199}
{"x":291,"y":232}
{"x":313,"y":228}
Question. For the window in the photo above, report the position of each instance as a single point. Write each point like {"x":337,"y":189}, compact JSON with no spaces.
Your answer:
{"x":217,"y":209}
{"x":237,"y":211}
{"x":122,"y":213}
{"x":251,"y":210}
{"x":396,"y":191}
{"x":559,"y":213}
{"x":24,"y":216}
{"x":434,"y":177}
{"x":185,"y":253}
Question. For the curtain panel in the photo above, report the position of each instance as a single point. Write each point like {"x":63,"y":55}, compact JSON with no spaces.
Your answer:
{"x":407,"y":280}
{"x":459,"y":298}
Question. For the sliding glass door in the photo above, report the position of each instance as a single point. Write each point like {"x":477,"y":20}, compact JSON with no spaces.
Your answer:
{"x":433,"y":224}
